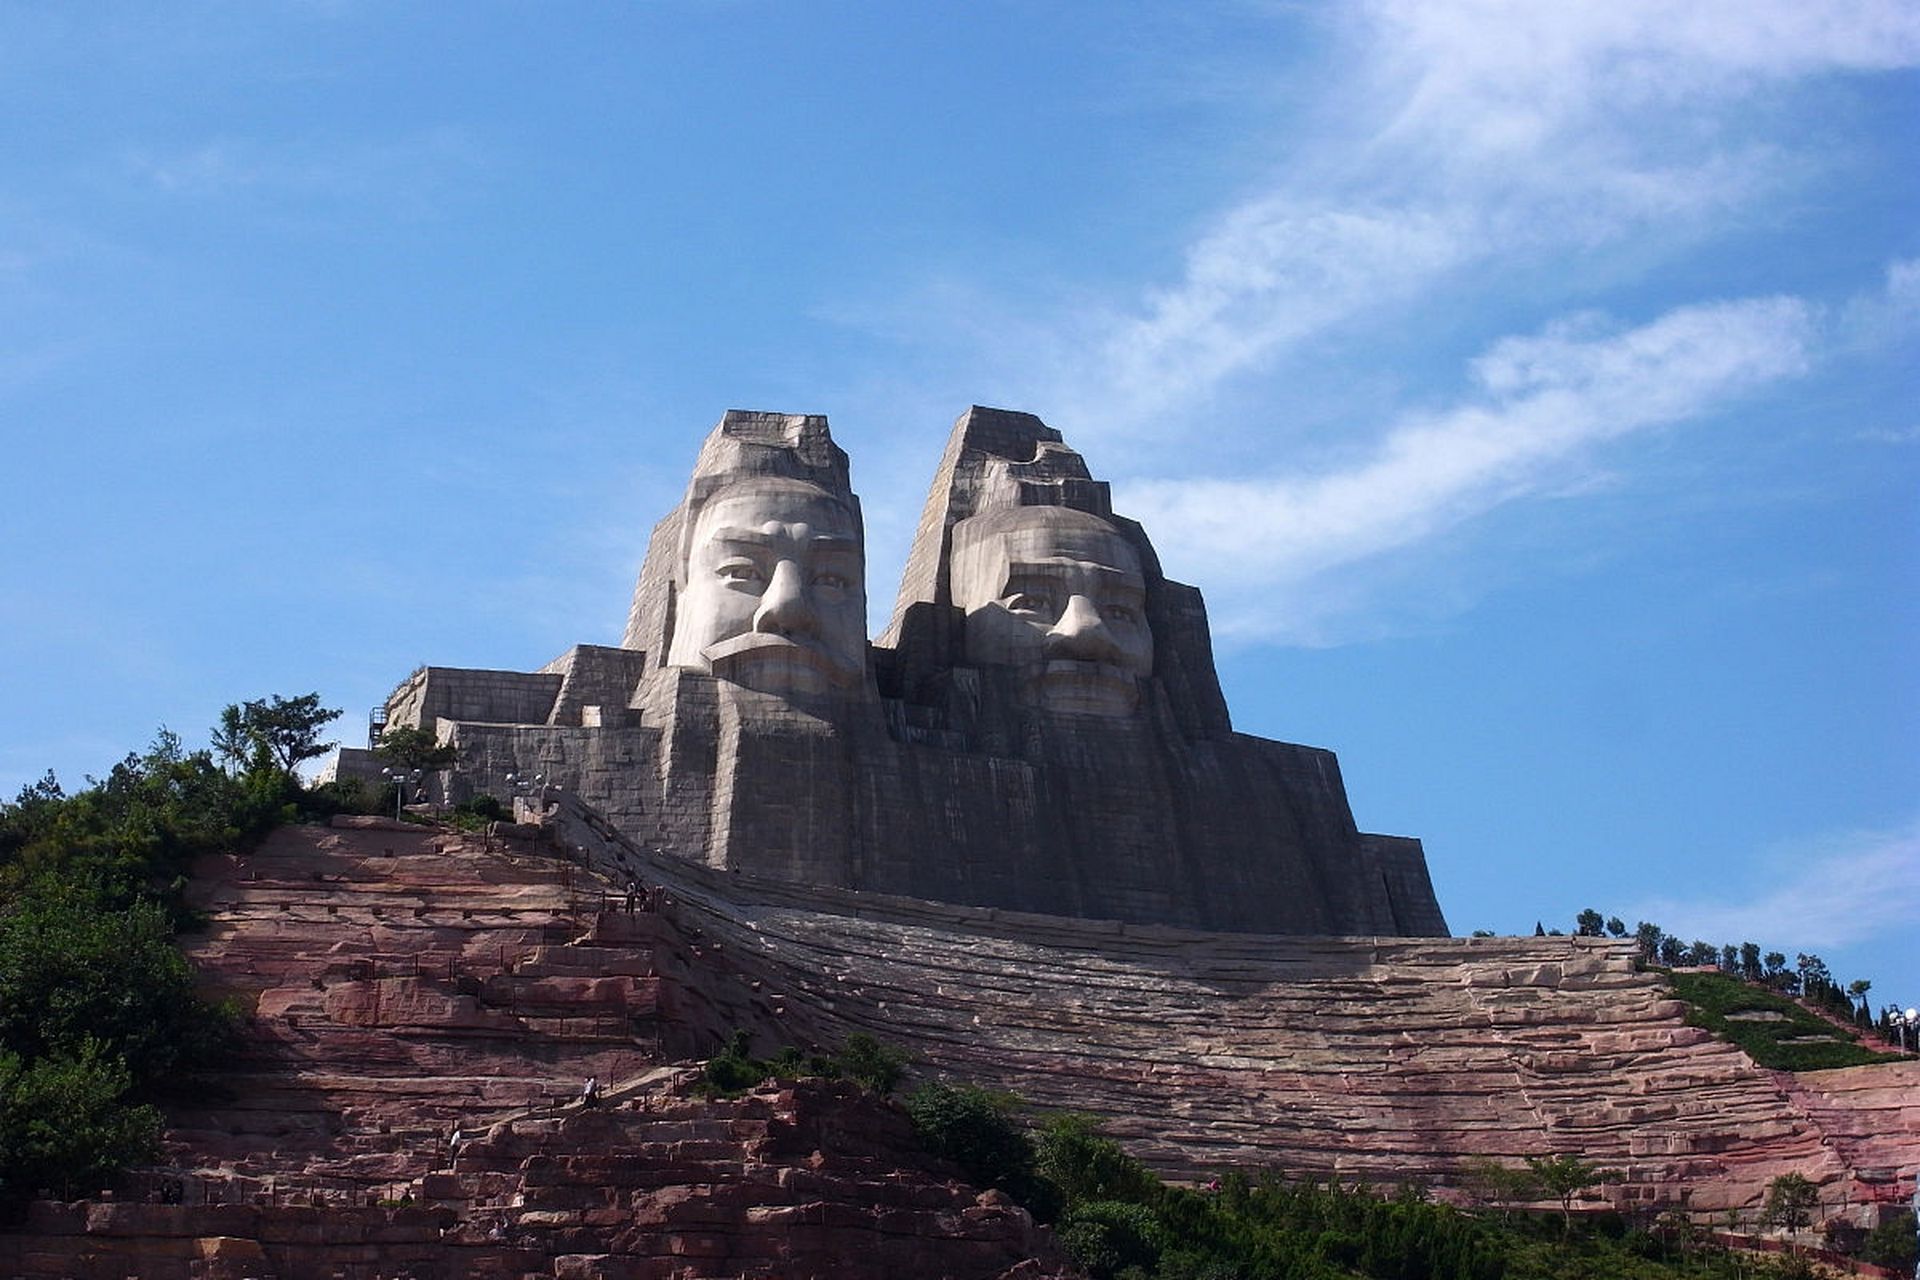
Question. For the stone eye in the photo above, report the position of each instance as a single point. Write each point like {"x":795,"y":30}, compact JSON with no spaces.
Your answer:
{"x":739,"y":571}
{"x":1120,"y":613}
{"x":1028,"y":602}
{"x":832,"y":580}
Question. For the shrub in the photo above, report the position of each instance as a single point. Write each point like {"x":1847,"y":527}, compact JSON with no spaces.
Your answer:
{"x":76,"y":971}
{"x":977,"y":1130}
{"x":65,"y":1124}
{"x":1088,"y":1167}
{"x":867,"y":1062}
{"x":1105,"y":1236}
{"x":1892,"y":1244}
{"x":862,"y":1059}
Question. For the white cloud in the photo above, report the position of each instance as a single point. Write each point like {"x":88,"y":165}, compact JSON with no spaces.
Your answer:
{"x":1884,"y":316}
{"x":1468,"y":158}
{"x":1545,"y":400}
{"x":1847,"y":889}
{"x":1480,"y":131}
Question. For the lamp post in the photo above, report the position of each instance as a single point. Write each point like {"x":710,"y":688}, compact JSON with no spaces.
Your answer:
{"x":531,"y":786}
{"x":1903,"y":1019}
{"x":400,"y":778}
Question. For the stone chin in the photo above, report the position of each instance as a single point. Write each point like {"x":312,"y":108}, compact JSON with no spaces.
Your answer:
{"x":1074,"y":687}
{"x":779,"y":665}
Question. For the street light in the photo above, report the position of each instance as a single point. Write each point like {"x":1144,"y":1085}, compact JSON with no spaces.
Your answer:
{"x":1901,"y":1021}
{"x":400,"y":778}
{"x":533,"y":787}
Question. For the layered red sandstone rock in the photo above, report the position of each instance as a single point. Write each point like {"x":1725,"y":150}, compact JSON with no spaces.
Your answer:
{"x":408,"y":981}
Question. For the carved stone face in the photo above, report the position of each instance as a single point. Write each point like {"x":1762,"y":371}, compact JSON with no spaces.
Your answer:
{"x":775,"y":593}
{"x":1059,"y":594}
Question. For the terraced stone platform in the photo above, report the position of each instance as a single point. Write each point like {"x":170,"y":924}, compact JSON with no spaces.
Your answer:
{"x":1388,"y":1059}
{"x":405,"y":981}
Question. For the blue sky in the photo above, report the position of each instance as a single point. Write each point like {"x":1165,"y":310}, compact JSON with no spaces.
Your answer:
{"x":1530,"y":388}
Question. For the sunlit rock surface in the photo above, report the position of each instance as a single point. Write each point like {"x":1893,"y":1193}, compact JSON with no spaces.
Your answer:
{"x":408,"y":981}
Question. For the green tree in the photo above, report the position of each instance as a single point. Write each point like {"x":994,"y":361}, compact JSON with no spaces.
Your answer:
{"x":976,"y":1129}
{"x":1858,"y":989}
{"x":408,"y":747}
{"x":273,"y":732}
{"x":1750,"y":967}
{"x":1648,"y":935}
{"x":1815,"y":978}
{"x":1071,"y":1153}
{"x":76,"y":972}
{"x":1778,"y":976}
{"x":1502,"y":1186}
{"x":1589,"y":924}
{"x":1892,"y":1243}
{"x":1616,"y":927}
{"x":1564,"y":1178}
{"x":65,"y":1123}
{"x":1791,"y":1201}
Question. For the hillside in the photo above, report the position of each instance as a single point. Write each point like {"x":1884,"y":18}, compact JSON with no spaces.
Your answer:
{"x":405,"y":981}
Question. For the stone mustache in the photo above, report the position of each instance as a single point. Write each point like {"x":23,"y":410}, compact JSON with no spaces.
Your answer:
{"x":1038,"y":728}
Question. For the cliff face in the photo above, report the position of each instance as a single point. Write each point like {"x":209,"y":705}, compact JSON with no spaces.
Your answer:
{"x":406,"y":982}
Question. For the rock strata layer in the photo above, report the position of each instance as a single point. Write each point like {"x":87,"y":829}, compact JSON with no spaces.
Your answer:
{"x":408,"y":982}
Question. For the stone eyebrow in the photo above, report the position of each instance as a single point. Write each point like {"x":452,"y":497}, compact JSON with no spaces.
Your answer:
{"x":1056,"y":569}
{"x":761,"y":538}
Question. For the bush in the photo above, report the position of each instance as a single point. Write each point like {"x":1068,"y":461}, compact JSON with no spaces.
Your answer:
{"x":75,"y":971}
{"x":477,"y":813}
{"x":868,"y":1063}
{"x":862,"y":1059}
{"x":65,"y":1124}
{"x":1087,"y":1167}
{"x":1891,"y":1244}
{"x":349,"y":795}
{"x":977,"y":1130}
{"x":1105,"y":1236}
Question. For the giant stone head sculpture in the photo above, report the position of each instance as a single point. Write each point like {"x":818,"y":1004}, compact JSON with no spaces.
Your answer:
{"x":773,"y":596}
{"x":1059,"y":594}
{"x":758,"y":576}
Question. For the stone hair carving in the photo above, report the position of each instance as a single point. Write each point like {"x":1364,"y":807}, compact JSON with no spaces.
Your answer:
{"x":1060,"y":595}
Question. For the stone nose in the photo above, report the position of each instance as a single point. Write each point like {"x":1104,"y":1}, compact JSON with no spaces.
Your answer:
{"x":1082,"y":634}
{"x":784,"y":609}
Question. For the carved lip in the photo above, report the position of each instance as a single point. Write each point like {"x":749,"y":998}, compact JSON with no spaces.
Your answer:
{"x":1092,"y":688}
{"x":736,"y":657}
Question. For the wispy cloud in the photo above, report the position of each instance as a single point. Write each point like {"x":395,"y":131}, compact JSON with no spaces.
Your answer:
{"x":1542,"y":401}
{"x":1481,"y":130}
{"x":1840,"y":891}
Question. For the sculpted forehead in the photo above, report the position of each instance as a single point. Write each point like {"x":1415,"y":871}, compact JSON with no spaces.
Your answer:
{"x":987,"y":549}
{"x":751,"y":505}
